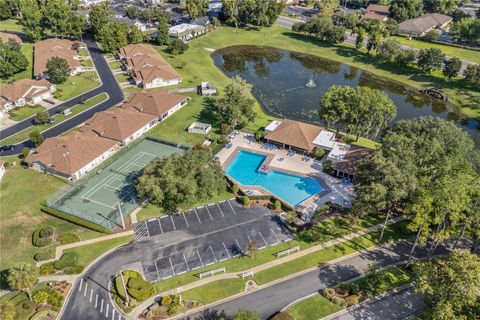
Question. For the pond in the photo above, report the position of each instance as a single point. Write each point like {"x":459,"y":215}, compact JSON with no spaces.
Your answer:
{"x":291,"y":84}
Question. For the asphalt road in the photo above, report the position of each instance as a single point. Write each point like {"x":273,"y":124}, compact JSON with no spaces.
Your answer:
{"x":269,"y":300}
{"x":109,"y":86}
{"x":387,"y":308}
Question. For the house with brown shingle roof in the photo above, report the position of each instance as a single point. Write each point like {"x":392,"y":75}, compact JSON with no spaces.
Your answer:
{"x":72,"y":155}
{"x":22,"y":92}
{"x":422,"y":25}
{"x":120,"y":124}
{"x":149,"y":68}
{"x":294,"y":135}
{"x":5,"y":37}
{"x":345,"y":159}
{"x":54,"y":47}
{"x":159,"y":103}
{"x":377,"y":12}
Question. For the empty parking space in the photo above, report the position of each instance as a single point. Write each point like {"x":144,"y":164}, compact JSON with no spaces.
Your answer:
{"x":154,"y":227}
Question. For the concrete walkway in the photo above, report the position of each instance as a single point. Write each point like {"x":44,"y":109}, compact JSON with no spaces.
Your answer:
{"x":233,"y":275}
{"x":59,"y":250}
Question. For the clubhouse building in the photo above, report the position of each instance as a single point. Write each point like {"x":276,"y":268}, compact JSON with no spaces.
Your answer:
{"x":75,"y":154}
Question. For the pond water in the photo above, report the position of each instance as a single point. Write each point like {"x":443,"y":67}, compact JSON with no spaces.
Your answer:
{"x":291,"y":84}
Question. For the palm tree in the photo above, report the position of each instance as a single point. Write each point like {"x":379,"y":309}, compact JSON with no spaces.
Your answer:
{"x":7,"y":311}
{"x":23,"y":277}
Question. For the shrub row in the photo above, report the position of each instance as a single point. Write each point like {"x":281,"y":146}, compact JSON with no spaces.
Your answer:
{"x":42,"y":236}
{"x":68,"y":259}
{"x":75,"y":220}
{"x":44,"y":255}
{"x":67,"y":238}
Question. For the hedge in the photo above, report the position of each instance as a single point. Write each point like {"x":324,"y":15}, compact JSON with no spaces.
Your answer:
{"x":140,"y":289}
{"x":119,"y":286}
{"x":42,"y":256}
{"x":78,"y":221}
{"x":68,"y":259}
{"x":41,"y":236}
{"x":73,"y":270}
{"x":67,"y":238}
{"x":47,"y":269}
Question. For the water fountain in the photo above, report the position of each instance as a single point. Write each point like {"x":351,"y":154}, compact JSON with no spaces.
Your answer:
{"x":311,"y":83}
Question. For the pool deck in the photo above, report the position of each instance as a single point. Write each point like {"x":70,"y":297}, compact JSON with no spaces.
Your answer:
{"x":334,"y":190}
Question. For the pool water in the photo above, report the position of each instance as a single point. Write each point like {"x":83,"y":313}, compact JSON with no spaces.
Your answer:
{"x":293,"y":189}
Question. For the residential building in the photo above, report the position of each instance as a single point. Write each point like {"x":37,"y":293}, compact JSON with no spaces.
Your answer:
{"x":122,"y":125}
{"x":160,"y":103}
{"x":422,"y":25}
{"x":54,"y":47}
{"x":22,"y":92}
{"x":186,"y":31}
{"x":149,"y":68}
{"x":377,"y":12}
{"x":73,"y":155}
{"x":5,"y":37}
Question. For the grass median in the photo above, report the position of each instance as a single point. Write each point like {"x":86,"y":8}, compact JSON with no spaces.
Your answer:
{"x":59,"y":118}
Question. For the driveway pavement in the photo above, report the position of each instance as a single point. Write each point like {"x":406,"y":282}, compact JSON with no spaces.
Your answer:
{"x":109,"y":85}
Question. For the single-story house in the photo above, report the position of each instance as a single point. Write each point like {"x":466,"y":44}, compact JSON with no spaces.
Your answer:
{"x":422,"y":25}
{"x":73,"y":155}
{"x":54,"y":47}
{"x":130,"y":22}
{"x":206,"y":89}
{"x":186,"y":31}
{"x":122,"y":125}
{"x":25,"y":91}
{"x":149,"y":68}
{"x":295,"y":135}
{"x":377,"y":12}
{"x":5,"y":37}
{"x":160,"y":103}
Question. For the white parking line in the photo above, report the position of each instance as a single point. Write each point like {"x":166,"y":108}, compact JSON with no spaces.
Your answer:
{"x":119,"y":316}
{"x":199,"y":257}
{"x":101,"y":306}
{"x":171,"y":218}
{"x":85,"y":291}
{"x":106,"y":313}
{"x":231,"y":207}
{"x":161,"y":229}
{"x":249,"y":239}
{"x":184,"y":258}
{"x":146,"y":227}
{"x":209,"y":213}
{"x":80,"y":287}
{"x":91,"y":295}
{"x":195,"y":210}
{"x":185,"y":219}
{"x":96,"y":300}
{"x":266,"y":243}
{"x":228,"y":253}
{"x":213,"y":254}
{"x":156,"y":268}
{"x":218,"y":206}
{"x":171,"y":265}
{"x":238,"y":244}
{"x":113,"y":314}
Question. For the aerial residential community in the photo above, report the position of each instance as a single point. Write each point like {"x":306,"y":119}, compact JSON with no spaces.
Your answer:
{"x":240,"y":160}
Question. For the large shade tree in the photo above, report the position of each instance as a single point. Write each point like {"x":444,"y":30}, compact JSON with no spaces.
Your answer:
{"x":22,"y":277}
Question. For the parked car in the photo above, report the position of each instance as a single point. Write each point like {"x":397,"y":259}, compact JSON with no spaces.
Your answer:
{"x":7,"y":147}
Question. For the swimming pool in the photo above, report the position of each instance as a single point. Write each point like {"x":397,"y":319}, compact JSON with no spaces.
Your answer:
{"x":293,"y":189}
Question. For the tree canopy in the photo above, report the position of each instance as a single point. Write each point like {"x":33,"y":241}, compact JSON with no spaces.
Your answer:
{"x":196,"y":8}
{"x":180,"y":180}
{"x":22,"y":277}
{"x":12,"y":59}
{"x":359,"y":110}
{"x":402,"y":10}
{"x":472,"y":74}
{"x":261,"y":13}
{"x":58,"y":70}
{"x":430,"y":59}
{"x":322,"y":28}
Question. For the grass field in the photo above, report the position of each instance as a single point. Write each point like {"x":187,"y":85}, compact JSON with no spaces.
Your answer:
{"x":115,"y":65}
{"x":465,"y":54}
{"x":25,"y":112}
{"x":27,"y":50}
{"x":315,"y":307}
{"x":23,"y":135}
{"x":76,"y":85}
{"x":22,"y":192}
{"x":89,"y":252}
{"x":10,"y":25}
{"x":197,"y":65}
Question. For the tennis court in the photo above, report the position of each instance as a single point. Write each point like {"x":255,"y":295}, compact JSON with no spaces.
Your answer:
{"x":106,"y":195}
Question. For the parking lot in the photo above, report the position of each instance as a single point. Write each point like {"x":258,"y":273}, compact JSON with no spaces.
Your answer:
{"x":208,"y":234}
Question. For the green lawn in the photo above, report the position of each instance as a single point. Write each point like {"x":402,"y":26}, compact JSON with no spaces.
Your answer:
{"x":215,"y":291}
{"x":25,"y":112}
{"x":312,"y":308}
{"x":86,"y":63}
{"x":23,"y":135}
{"x":22,"y":192}
{"x":115,"y":65}
{"x":465,"y":54}
{"x":89,"y":252}
{"x":27,"y":50}
{"x":76,"y":85}
{"x":121,"y":77}
{"x":197,"y":65}
{"x":151,"y":211}
{"x":10,"y":25}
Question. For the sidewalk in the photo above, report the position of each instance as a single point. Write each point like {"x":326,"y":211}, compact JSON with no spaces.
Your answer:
{"x":233,"y":275}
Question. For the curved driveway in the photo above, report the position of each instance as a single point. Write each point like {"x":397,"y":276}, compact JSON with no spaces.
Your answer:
{"x":109,"y":86}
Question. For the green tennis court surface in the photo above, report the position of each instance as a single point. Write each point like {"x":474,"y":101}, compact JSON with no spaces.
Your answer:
{"x":107,"y":195}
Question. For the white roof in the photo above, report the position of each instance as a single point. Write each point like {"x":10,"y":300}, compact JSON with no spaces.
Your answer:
{"x":183,"y":28}
{"x":273,"y":125}
{"x":325,"y":139}
{"x":339,"y":151}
